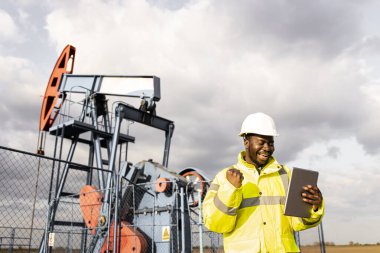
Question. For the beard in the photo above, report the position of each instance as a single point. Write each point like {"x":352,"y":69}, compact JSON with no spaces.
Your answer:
{"x":259,"y":158}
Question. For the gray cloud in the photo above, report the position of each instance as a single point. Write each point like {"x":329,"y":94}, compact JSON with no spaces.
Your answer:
{"x":315,"y":28}
{"x":305,"y":92}
{"x":312,"y":97}
{"x":311,"y":65}
{"x":169,"y":4}
{"x":333,"y":152}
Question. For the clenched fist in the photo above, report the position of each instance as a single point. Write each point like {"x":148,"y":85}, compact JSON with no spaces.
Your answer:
{"x":235,"y":177}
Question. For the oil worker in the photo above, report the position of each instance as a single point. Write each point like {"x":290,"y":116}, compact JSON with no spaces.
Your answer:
{"x":245,"y":202}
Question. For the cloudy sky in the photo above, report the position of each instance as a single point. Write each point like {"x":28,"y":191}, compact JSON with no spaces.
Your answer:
{"x":312,"y":65}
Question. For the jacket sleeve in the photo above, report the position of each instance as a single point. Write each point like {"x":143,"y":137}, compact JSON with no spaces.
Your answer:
{"x":221,"y":204}
{"x":299,"y":224}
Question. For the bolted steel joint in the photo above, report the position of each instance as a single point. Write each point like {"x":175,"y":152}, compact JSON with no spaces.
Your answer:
{"x":102,"y":220}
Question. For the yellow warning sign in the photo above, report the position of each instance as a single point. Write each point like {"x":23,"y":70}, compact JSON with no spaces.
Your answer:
{"x":166,"y":233}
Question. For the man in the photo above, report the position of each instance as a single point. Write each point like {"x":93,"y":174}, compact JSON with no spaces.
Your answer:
{"x":246,"y":201}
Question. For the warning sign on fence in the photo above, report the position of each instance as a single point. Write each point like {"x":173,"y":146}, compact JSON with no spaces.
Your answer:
{"x":166,"y":233}
{"x":51,"y":239}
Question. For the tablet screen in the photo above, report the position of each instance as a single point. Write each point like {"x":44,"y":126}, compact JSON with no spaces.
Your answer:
{"x":294,"y":205}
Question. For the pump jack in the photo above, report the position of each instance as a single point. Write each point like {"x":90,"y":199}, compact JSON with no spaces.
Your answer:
{"x":125,"y":217}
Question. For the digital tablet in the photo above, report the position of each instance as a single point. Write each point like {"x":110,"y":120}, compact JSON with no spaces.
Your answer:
{"x":294,"y":205}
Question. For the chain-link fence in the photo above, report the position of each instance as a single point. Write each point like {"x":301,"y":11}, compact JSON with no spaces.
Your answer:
{"x":29,"y":207}
{"x":150,"y":222}
{"x":23,"y":201}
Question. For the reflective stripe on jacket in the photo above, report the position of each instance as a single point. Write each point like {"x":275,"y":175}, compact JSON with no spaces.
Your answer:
{"x":251,"y":217}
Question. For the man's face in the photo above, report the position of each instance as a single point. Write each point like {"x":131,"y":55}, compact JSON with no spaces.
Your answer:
{"x":259,"y":148}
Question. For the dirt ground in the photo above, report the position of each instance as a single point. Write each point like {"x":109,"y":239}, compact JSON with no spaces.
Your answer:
{"x":305,"y":249}
{"x":329,"y":249}
{"x":343,"y":249}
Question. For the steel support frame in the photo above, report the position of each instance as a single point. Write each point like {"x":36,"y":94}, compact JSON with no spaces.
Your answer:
{"x":111,"y":189}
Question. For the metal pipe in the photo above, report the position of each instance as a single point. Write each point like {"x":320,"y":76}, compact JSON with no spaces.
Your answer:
{"x":169,"y":135}
{"x":99,"y":162}
{"x":44,"y":242}
{"x":106,"y":207}
{"x":115,"y":140}
{"x":182,"y":195}
{"x":60,"y":158}
{"x":116,"y":212}
{"x":109,"y":212}
{"x":177,"y":208}
{"x":69,"y":247}
{"x":321,"y":238}
{"x":34,"y":203}
{"x":107,"y":128}
{"x":154,"y":220}
{"x":200,"y":221}
{"x":83,"y":241}
{"x":98,"y":152}
{"x":10,"y":249}
{"x":297,"y":238}
{"x":90,"y":173}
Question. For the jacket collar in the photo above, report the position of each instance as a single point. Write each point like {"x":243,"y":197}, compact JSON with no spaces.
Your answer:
{"x":271,"y":167}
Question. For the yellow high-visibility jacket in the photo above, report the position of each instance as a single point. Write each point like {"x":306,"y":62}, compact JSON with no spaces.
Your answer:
{"x":251,"y":217}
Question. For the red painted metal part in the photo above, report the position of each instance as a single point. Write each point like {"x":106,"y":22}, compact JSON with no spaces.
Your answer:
{"x":129,"y":238}
{"x":90,"y":200}
{"x":198,"y":182}
{"x":50,"y":104}
{"x":162,"y":184}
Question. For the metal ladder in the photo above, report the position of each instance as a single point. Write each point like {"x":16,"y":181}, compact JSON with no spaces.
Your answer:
{"x":94,"y":107}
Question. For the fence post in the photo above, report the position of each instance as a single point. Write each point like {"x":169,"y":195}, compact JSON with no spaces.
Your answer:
{"x":298,"y":239}
{"x":182,"y":194}
{"x":10,"y":249}
{"x":68,"y":244}
{"x":321,"y":238}
{"x":200,"y":222}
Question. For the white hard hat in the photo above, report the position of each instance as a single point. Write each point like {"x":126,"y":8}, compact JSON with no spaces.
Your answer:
{"x":258,"y":123}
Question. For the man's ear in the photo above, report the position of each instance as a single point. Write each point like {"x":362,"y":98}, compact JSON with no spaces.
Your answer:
{"x":246,"y":142}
